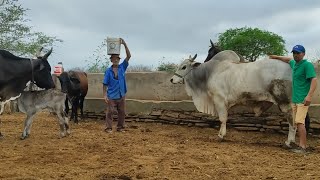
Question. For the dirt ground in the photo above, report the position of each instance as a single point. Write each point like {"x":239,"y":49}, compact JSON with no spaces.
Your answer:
{"x":147,"y":151}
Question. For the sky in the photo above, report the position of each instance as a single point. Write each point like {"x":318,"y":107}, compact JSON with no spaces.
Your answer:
{"x":167,"y":30}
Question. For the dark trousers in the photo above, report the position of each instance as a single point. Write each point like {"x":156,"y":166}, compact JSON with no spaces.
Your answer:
{"x":112,"y":107}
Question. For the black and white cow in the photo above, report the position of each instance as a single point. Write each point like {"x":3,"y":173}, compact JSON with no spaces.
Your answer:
{"x":16,"y":72}
{"x":31,"y":102}
{"x":222,"y":82}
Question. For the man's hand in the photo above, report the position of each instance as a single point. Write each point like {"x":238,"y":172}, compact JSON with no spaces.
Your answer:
{"x":106,"y":99}
{"x":272,"y":56}
{"x":127,"y":49}
{"x":307,"y":100}
{"x":122,"y":41}
{"x":281,"y":58}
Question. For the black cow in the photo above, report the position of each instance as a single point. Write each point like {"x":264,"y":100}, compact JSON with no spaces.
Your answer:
{"x":75,"y":84}
{"x":214,"y":49}
{"x":16,"y":72}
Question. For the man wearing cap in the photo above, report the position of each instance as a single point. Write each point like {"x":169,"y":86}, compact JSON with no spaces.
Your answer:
{"x":304,"y":83}
{"x":115,"y":89}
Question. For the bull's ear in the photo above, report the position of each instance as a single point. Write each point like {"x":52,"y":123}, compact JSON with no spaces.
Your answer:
{"x":195,"y":64}
{"x":41,"y":67}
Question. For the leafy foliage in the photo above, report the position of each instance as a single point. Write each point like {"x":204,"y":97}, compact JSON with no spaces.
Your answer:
{"x":15,"y":35}
{"x":252,"y":43}
{"x":100,"y":61}
{"x":168,"y":67}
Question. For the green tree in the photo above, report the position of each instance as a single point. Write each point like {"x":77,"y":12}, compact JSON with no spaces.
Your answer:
{"x":15,"y":35}
{"x":99,"y":60}
{"x":252,"y":43}
{"x":166,"y":66}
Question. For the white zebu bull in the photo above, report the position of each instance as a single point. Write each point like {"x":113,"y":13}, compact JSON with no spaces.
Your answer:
{"x":223,"y":82}
{"x":31,"y":102}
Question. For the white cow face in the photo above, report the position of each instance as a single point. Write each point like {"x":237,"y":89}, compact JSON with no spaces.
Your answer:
{"x":184,"y":69}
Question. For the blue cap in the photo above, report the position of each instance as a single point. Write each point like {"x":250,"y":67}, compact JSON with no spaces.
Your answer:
{"x":298,"y":48}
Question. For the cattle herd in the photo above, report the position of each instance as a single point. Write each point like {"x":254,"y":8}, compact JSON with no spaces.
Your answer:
{"x":17,"y":72}
{"x":215,"y":86}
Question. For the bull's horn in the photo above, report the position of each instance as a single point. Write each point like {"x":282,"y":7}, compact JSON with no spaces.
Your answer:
{"x":194,"y":57}
{"x":212,"y":45}
{"x":47,"y":54}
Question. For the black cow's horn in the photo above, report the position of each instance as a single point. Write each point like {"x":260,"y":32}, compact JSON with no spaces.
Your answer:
{"x":47,"y":54}
{"x":212,"y":45}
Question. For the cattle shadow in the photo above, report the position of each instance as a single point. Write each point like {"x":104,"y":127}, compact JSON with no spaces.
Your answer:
{"x":261,"y":142}
{"x":258,"y":143}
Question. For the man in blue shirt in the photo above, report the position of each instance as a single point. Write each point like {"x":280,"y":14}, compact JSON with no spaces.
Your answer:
{"x":115,"y":89}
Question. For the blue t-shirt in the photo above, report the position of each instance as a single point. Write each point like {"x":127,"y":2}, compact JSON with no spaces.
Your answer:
{"x":117,"y":88}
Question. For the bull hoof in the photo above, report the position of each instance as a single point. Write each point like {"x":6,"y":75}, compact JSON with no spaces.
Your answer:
{"x":220,"y":138}
{"x":68,"y":132}
{"x":290,"y":145}
{"x":24,"y":137}
{"x":62,"y":135}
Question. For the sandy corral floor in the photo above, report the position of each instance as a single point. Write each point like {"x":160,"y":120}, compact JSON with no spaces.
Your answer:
{"x":147,"y":151}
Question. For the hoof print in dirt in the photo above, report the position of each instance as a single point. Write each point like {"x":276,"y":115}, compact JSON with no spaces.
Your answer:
{"x":133,"y":127}
{"x":113,"y":177}
{"x":146,"y":130}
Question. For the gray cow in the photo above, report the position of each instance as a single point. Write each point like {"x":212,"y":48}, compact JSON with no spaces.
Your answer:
{"x":31,"y":102}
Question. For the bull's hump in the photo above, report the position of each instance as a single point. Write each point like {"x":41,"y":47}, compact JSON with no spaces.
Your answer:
{"x":9,"y":56}
{"x":226,"y":55}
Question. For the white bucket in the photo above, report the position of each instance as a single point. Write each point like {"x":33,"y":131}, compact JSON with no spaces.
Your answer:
{"x":113,"y":45}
